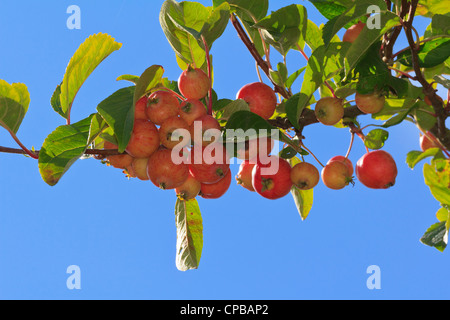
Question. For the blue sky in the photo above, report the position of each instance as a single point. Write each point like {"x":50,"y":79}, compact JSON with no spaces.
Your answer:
{"x":122,"y":233}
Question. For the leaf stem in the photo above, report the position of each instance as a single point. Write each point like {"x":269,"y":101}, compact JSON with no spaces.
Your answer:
{"x":25,"y":149}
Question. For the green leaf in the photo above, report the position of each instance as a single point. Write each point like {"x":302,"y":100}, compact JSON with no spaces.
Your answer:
{"x":249,"y":12}
{"x":313,"y":36}
{"x":375,"y":139}
{"x":435,"y":236}
{"x":88,"y":56}
{"x":147,"y":81}
{"x":303,"y":198}
{"x":186,"y":22}
{"x":293,"y":111}
{"x":288,"y":153}
{"x":98,"y":126}
{"x":291,"y":79}
{"x":189,"y":234}
{"x":443,"y":214}
{"x":128,"y":77}
{"x":352,"y":13}
{"x":431,"y":7}
{"x":280,"y":75}
{"x":324,"y":63}
{"x":62,"y":148}
{"x":216,"y":23}
{"x":221,"y":104}
{"x":55,"y":102}
{"x":232,"y":107}
{"x":424,"y":117}
{"x":437,"y":177}
{"x":118,"y":112}
{"x":414,"y":157}
{"x":368,"y":37}
{"x":284,"y":27}
{"x":14,"y":103}
{"x":440,"y":24}
{"x":246,"y":120}
{"x":246,"y":9}
{"x":330,"y":9}
{"x":431,"y":53}
{"x":397,"y":119}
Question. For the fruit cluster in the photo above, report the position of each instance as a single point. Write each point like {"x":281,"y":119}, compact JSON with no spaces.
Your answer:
{"x":376,"y":170}
{"x":166,"y":124}
{"x":165,"y":120}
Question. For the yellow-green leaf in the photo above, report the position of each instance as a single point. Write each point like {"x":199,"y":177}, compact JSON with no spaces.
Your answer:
{"x":189,"y":234}
{"x":303,"y":198}
{"x":14,"y":102}
{"x":88,"y":56}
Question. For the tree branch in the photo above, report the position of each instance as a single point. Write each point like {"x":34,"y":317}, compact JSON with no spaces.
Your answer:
{"x":259,"y":60}
{"x":430,"y":92}
{"x":94,"y":152}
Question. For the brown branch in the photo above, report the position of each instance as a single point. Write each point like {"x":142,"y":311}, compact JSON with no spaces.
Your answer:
{"x":95,"y":152}
{"x":389,"y":41}
{"x":259,"y":60}
{"x":430,"y":92}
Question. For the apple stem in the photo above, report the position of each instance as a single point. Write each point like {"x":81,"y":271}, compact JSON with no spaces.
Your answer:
{"x":208,"y":62}
{"x":354,"y":129}
{"x":352,"y":139}
{"x":310,"y":152}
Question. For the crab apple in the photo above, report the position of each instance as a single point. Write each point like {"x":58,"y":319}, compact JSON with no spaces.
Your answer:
{"x":144,"y":139}
{"x":335,"y":175}
{"x":164,"y":173}
{"x":244,"y":176}
{"x":216,"y":190}
{"x":329,"y":111}
{"x":426,"y":143}
{"x":370,"y":103}
{"x":273,"y":184}
{"x":194,"y":83}
{"x":260,"y":98}
{"x":209,"y":164}
{"x":170,"y":137}
{"x":162,"y":105}
{"x":344,"y":160}
{"x":191,"y":110}
{"x":200,"y":133}
{"x":189,"y":189}
{"x":121,"y":161}
{"x":353,"y":32}
{"x":139,"y":168}
{"x":253,"y":148}
{"x":377,"y":170}
{"x":305,"y":176}
{"x":140,"y":112}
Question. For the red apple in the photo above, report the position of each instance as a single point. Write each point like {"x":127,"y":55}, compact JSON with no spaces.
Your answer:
{"x":260,"y":98}
{"x":370,"y":103}
{"x":194,"y":83}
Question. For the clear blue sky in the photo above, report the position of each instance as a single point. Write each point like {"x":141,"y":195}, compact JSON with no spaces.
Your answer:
{"x":122,"y":233}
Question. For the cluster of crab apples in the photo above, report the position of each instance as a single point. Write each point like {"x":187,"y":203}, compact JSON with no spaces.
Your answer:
{"x":166,"y":147}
